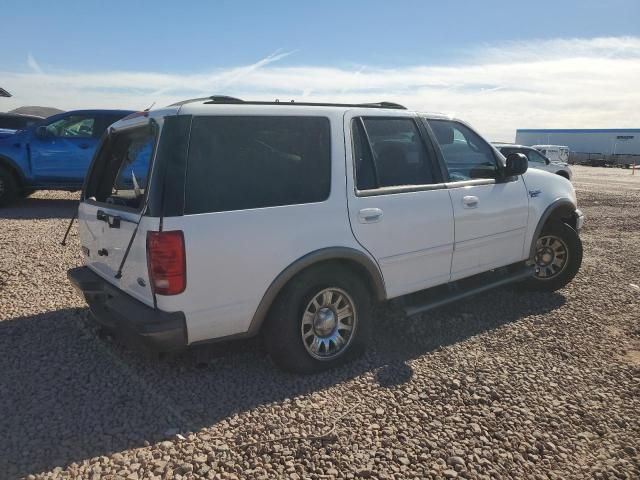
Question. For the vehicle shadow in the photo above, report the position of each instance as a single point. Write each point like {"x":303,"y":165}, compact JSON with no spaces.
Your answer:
{"x":39,"y":209}
{"x":69,"y":394}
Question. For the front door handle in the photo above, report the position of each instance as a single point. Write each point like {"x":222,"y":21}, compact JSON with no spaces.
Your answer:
{"x":83,"y":146}
{"x":470,"y":201}
{"x":370,"y":215}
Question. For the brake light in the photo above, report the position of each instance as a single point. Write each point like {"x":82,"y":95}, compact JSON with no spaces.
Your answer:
{"x":166,"y":261}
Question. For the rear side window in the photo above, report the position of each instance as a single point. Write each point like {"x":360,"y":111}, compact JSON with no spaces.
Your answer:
{"x":389,"y":152}
{"x":244,"y":162}
{"x":466,"y":155}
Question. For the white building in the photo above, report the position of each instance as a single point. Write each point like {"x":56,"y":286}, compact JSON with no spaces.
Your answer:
{"x":620,"y":141}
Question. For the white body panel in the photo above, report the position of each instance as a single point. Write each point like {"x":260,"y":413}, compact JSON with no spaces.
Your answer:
{"x":96,"y":235}
{"x":544,"y":188}
{"x":490,"y":223}
{"x":232,"y":257}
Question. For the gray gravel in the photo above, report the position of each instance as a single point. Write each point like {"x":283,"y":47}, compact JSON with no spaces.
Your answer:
{"x":508,"y":385}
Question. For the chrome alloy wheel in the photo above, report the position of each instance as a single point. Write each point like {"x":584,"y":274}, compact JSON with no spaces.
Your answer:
{"x":328,"y":324}
{"x":551,"y":257}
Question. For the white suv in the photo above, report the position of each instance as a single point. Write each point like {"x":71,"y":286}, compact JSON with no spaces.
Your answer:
{"x":292,"y":219}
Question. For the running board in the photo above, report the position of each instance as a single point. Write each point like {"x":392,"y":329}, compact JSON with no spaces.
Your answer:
{"x":467,"y":287}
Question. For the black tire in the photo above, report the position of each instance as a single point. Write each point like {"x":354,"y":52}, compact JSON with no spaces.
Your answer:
{"x":27,"y":192}
{"x":284,"y":324}
{"x":8,"y":187}
{"x":569,"y":237}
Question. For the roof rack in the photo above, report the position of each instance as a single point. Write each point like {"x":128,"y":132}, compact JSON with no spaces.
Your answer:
{"x":225,"y":100}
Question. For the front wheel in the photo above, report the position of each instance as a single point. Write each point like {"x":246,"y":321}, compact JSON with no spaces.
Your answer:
{"x":558,"y":257}
{"x":319,"y":321}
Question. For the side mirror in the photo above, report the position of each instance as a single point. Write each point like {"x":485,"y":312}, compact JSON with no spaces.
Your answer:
{"x":517,"y":164}
{"x":42,"y":132}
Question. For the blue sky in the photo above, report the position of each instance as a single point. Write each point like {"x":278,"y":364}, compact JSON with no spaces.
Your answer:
{"x":491,"y":61}
{"x":187,"y":36}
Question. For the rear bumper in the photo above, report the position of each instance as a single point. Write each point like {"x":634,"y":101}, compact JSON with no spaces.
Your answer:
{"x":128,"y":317}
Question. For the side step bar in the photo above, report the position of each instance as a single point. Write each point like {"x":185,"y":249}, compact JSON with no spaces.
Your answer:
{"x":466,"y":288}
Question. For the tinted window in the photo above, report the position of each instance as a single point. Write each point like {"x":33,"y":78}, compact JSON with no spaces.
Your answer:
{"x":399,"y":155}
{"x":466,"y":155}
{"x":237,"y":163}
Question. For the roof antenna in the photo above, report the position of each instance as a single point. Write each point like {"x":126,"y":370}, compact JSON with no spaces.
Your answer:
{"x":149,"y":107}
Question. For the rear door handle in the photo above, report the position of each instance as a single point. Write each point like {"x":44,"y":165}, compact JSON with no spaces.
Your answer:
{"x":83,"y":146}
{"x":470,"y":201}
{"x":370,"y":215}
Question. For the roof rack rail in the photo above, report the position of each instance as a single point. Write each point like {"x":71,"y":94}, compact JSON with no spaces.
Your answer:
{"x":222,"y":100}
{"x":226,"y":100}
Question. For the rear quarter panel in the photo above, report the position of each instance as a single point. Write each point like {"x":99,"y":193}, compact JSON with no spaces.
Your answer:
{"x":233,"y":257}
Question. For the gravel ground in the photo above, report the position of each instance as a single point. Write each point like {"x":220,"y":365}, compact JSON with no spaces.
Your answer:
{"x":508,"y":385}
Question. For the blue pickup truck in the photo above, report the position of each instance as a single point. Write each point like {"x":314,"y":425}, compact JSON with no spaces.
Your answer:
{"x":52,"y":155}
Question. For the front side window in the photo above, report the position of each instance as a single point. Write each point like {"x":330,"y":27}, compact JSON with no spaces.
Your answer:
{"x":244,"y":162}
{"x":79,"y":126}
{"x":389,"y":152}
{"x":466,"y":155}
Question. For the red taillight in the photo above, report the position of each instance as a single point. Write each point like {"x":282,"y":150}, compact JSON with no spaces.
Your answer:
{"x":167,"y":262}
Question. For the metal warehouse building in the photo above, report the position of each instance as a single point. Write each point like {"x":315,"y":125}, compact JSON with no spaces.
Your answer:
{"x":595,"y":147}
{"x":623,"y":141}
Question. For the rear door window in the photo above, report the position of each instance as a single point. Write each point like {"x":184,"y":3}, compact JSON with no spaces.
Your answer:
{"x":389,"y":152}
{"x":245,"y":162}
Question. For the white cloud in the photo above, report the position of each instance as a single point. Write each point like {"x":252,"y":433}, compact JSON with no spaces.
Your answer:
{"x":563,"y":83}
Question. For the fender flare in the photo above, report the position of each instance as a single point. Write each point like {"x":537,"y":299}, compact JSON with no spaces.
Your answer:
{"x":559,"y":208}
{"x":366,"y":263}
{"x":13,"y":167}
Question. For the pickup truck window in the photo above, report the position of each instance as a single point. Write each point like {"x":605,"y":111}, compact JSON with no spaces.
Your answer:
{"x":466,"y":155}
{"x":389,"y":152}
{"x":78,"y":126}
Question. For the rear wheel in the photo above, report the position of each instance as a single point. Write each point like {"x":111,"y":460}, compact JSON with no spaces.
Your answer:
{"x":319,"y":321}
{"x":8,"y":187}
{"x":558,"y":257}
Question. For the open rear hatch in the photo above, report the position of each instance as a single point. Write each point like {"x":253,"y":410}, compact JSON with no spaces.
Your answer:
{"x":112,"y":208}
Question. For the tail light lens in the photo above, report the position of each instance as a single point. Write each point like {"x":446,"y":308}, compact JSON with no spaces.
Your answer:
{"x":166,"y":261}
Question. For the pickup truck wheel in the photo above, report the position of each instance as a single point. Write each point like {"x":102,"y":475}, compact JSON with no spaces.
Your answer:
{"x":319,"y":321}
{"x":558,"y":257}
{"x":8,"y":187}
